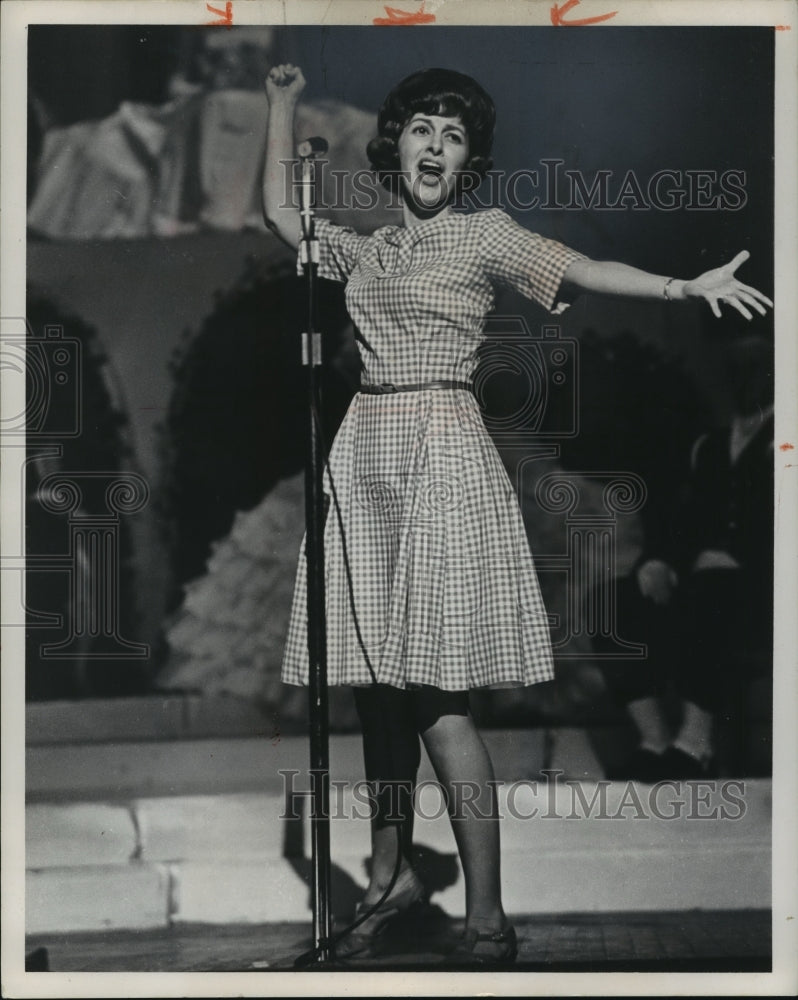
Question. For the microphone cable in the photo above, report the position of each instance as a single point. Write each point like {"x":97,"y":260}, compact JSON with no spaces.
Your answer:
{"x":308,"y":957}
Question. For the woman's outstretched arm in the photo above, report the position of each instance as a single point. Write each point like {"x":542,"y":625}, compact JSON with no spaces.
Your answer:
{"x":284,"y":85}
{"x":715,"y":286}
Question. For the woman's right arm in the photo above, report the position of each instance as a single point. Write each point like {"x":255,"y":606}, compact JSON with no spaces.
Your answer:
{"x":284,"y":86}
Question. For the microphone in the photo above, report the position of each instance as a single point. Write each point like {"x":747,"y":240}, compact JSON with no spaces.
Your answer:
{"x":315,"y":146}
{"x":307,"y":151}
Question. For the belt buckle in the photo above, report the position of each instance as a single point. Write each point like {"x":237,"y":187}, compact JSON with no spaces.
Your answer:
{"x":388,"y":387}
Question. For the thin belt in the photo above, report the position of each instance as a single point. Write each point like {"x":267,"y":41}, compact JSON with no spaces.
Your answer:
{"x":382,"y":388}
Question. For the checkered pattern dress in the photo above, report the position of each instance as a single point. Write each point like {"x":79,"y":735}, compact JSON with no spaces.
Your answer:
{"x":444,"y":586}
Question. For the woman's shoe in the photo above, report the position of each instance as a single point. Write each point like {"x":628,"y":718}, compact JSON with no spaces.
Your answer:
{"x":367,"y":940}
{"x":486,"y":948}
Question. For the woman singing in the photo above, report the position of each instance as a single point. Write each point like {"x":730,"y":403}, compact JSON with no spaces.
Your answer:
{"x":430,"y":585}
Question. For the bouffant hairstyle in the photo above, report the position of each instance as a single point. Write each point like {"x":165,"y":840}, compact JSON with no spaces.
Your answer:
{"x":433,"y":92}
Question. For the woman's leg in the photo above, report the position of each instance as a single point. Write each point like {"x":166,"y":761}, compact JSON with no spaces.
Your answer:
{"x":391,"y":755}
{"x":465,"y":772}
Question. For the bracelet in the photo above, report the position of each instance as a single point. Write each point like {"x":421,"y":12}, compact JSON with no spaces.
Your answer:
{"x":665,"y":290}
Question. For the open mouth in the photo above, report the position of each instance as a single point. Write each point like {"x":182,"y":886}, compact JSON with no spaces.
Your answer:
{"x":430,"y":168}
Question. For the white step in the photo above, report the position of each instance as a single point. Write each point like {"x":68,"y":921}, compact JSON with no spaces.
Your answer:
{"x":232,"y":858}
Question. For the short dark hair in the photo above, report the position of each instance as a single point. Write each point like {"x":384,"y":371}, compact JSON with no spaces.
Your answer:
{"x":433,"y":92}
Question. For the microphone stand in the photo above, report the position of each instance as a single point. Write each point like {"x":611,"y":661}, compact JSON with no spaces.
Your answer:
{"x":314,"y":552}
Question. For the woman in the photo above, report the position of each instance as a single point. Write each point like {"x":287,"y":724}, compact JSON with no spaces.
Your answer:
{"x":431,"y":588}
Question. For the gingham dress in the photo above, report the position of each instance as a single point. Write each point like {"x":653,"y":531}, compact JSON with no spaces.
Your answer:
{"x":444,"y":586}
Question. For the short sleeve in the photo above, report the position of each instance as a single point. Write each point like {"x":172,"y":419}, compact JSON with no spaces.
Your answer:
{"x":524,"y":261}
{"x":339,"y":249}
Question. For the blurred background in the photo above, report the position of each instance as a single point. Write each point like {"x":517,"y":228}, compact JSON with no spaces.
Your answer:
{"x":145,"y":147}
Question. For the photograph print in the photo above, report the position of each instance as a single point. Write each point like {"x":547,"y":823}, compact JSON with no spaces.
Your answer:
{"x":393,"y":587}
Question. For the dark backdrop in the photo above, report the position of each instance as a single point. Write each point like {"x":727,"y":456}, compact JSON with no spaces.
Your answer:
{"x":643,"y":99}
{"x":614,"y":99}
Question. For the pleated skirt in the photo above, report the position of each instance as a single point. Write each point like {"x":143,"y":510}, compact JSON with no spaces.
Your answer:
{"x":441,"y":587}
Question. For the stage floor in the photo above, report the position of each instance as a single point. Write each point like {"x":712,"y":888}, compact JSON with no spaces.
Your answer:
{"x":676,"y":941}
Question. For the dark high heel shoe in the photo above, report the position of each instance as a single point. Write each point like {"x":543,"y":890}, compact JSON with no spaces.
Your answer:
{"x":486,"y":948}
{"x":367,"y":940}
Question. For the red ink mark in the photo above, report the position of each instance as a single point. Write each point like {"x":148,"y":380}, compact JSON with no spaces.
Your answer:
{"x":783,"y":27}
{"x":396,"y":16}
{"x":226,"y":15}
{"x":558,"y":16}
{"x":786,"y":446}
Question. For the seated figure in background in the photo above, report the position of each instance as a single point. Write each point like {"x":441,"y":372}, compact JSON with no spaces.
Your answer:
{"x":701,"y":595}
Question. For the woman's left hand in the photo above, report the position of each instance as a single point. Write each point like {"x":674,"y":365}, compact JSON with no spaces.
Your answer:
{"x":720,"y":285}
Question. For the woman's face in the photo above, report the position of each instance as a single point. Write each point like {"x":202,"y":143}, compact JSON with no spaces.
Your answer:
{"x":432,"y":150}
